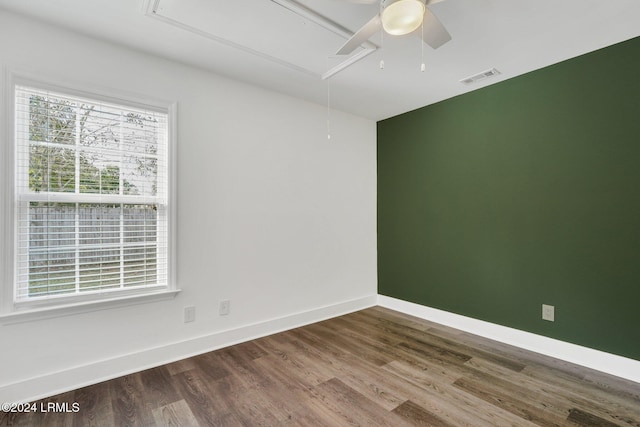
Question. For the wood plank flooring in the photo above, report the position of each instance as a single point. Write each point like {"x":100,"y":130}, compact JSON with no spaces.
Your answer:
{"x":375,"y":367}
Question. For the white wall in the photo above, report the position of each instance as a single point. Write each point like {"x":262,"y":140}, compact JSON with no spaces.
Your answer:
{"x":271,"y":215}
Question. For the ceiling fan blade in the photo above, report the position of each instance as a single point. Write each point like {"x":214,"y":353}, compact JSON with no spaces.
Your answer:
{"x":361,"y":36}
{"x":434,"y":34}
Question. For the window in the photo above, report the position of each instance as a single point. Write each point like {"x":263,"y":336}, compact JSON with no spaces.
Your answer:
{"x":91,"y":197}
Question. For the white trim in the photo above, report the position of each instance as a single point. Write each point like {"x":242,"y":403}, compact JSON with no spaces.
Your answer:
{"x":311,"y":15}
{"x":172,"y":195}
{"x":605,"y":362}
{"x":92,"y":373}
{"x":153,"y":13}
{"x":7,"y":220}
{"x":347,"y":63}
{"x":30,"y":314}
{"x":108,"y":96}
{"x":18,"y":312}
{"x":150,"y":9}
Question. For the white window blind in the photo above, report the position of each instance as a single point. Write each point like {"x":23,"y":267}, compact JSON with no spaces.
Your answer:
{"x":91,"y":196}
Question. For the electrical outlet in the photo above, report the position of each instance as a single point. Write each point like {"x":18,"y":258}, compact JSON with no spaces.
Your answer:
{"x":189,"y":314}
{"x":225,"y":307}
{"x":548,"y":312}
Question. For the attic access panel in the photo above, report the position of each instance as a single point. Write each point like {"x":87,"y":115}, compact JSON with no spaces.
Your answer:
{"x":285,"y":32}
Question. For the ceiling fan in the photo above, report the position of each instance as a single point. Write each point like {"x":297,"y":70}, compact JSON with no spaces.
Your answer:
{"x":399,"y":17}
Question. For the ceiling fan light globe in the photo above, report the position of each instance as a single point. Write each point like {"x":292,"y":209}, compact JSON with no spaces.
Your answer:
{"x":402,"y":16}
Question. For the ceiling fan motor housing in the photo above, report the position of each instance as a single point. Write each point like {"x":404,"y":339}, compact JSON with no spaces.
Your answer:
{"x":401,"y":16}
{"x":398,"y":17}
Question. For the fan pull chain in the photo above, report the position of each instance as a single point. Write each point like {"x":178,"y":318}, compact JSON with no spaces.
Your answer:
{"x":382,"y":49}
{"x":422,"y":66}
{"x":329,"y":108}
{"x":381,"y":41}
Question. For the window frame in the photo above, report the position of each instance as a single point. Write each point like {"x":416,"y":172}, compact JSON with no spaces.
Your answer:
{"x":12,"y":310}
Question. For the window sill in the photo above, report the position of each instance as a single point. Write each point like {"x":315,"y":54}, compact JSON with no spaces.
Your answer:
{"x":36,"y":314}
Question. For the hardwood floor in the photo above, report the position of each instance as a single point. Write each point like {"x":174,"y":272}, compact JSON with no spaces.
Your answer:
{"x":374,"y":367}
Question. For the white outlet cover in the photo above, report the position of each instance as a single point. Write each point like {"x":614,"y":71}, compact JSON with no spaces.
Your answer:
{"x":189,"y":314}
{"x":548,"y":312}
{"x":225,"y":307}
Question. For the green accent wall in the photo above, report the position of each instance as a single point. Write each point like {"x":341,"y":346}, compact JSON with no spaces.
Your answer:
{"x":522,"y":193}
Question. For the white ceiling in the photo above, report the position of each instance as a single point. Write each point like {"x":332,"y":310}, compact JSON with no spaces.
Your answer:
{"x":260,"y":42}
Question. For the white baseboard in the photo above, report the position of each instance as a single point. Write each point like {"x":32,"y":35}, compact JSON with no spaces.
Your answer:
{"x":590,"y":358}
{"x":92,"y":373}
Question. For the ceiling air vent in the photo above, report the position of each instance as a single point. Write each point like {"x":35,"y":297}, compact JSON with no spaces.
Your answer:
{"x":480,"y":76}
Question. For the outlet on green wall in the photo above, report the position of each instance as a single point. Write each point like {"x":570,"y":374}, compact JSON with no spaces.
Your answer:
{"x":518,"y":194}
